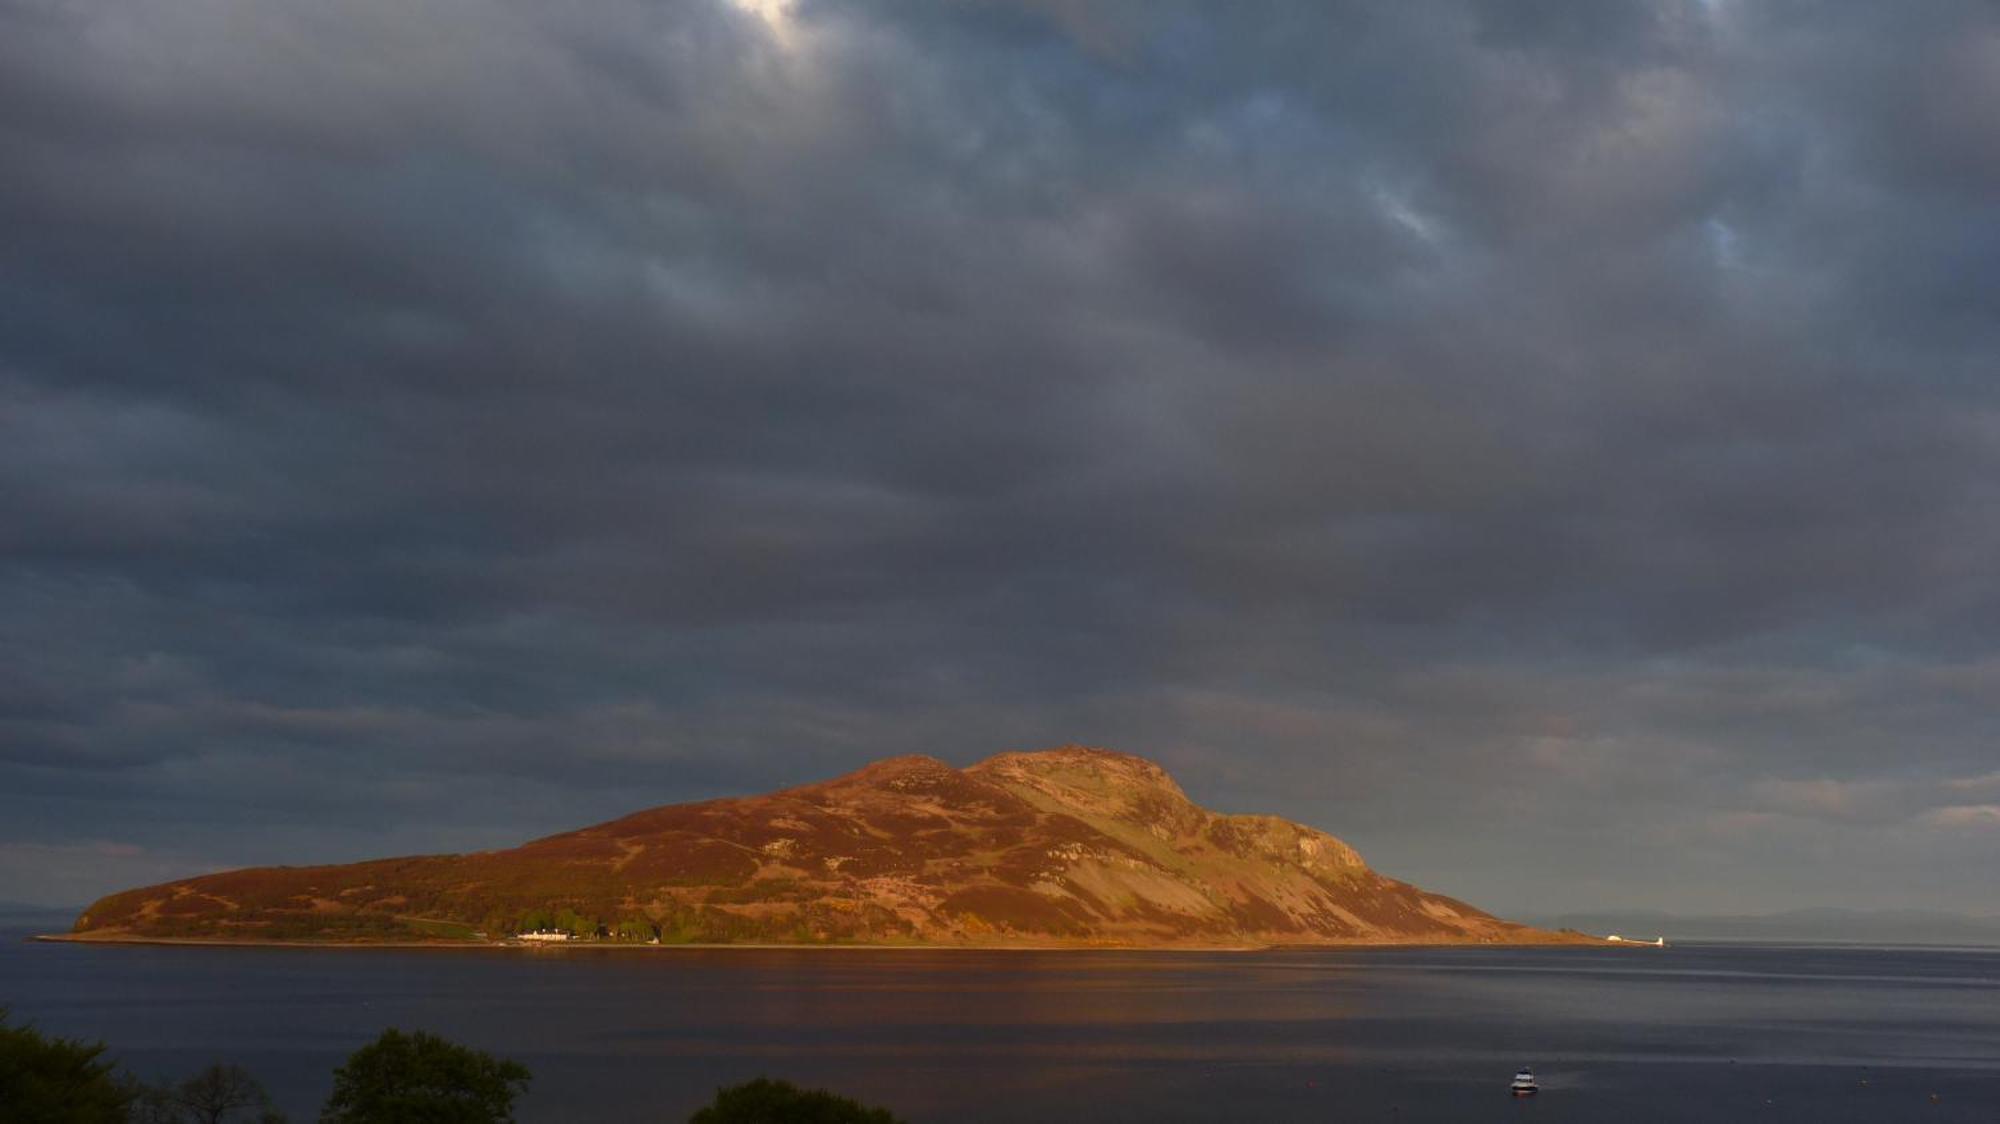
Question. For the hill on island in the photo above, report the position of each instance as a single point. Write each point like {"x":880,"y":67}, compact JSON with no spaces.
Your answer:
{"x":1069,"y":846}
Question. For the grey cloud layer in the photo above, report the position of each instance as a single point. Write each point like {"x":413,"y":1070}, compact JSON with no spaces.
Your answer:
{"x":426,"y":425}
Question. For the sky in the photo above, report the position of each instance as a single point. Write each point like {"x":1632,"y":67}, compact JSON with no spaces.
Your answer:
{"x":1554,"y":446}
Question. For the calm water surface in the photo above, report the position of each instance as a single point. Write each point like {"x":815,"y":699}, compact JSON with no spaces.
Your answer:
{"x":1696,"y":1032}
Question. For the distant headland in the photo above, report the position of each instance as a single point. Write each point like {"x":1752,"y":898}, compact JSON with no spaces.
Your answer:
{"x":1068,"y":847}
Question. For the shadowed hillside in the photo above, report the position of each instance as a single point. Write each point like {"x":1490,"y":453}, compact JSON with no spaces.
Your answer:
{"x":1065,"y":846}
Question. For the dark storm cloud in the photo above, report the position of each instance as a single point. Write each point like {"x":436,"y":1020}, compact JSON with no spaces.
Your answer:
{"x":1526,"y":436}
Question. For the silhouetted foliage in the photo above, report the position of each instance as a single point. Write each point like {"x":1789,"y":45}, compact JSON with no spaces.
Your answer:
{"x":219,"y":1094}
{"x":419,"y":1078}
{"x":766,"y":1101}
{"x":48,"y":1080}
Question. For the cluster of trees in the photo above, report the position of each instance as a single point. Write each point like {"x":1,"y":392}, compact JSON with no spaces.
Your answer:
{"x":217,"y":1095}
{"x":577,"y":925}
{"x":400,"y":1078}
{"x":397,"y":1079}
{"x":563,"y":920}
{"x":710,"y":921}
{"x":765,"y":1101}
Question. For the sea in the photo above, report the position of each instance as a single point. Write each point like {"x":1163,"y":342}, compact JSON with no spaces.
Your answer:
{"x":1691,"y":1032}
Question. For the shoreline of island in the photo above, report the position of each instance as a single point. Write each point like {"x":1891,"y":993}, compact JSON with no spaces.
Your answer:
{"x":1550,"y":940}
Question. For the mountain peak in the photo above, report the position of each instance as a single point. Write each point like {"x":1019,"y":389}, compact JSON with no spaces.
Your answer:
{"x":1093,"y":781}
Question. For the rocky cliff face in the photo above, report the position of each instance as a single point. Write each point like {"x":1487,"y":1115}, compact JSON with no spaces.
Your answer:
{"x":1065,"y":846}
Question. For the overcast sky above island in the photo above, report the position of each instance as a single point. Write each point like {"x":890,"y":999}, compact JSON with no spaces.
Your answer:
{"x":1554,"y":446}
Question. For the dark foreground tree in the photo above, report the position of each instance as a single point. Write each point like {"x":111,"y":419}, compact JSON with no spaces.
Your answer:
{"x":219,"y":1094}
{"x":765,"y":1101}
{"x":419,"y":1078}
{"x":46,"y":1080}
{"x":223,"y":1093}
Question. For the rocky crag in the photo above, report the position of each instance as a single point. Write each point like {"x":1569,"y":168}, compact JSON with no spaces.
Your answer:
{"x":1068,"y":847}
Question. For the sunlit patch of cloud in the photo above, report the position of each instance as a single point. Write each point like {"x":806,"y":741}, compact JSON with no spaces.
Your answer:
{"x":1826,"y":797}
{"x":1985,"y":817}
{"x":779,"y":18}
{"x":1976,"y":785}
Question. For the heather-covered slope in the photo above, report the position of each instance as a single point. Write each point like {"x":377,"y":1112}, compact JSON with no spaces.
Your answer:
{"x":1070,"y":846}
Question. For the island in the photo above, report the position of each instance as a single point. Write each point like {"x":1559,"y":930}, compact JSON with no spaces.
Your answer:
{"x":1073,"y":847}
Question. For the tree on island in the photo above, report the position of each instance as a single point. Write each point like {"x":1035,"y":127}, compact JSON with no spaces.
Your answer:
{"x":765,"y":1101}
{"x":419,"y":1078}
{"x":57,"y":1079}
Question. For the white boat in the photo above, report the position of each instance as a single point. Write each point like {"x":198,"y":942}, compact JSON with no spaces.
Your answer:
{"x":1524,"y":1083}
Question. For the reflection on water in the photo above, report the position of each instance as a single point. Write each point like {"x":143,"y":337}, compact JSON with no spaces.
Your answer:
{"x":1690,"y":1032}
